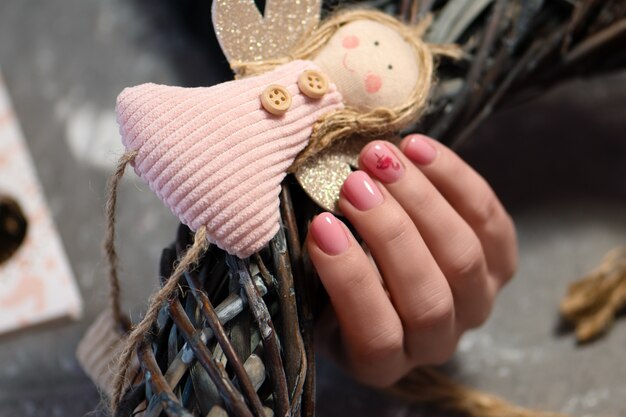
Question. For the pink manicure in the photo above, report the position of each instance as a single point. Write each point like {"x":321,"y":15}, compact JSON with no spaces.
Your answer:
{"x":420,"y":151}
{"x":329,"y":234}
{"x":381,"y":161}
{"x":361,"y":191}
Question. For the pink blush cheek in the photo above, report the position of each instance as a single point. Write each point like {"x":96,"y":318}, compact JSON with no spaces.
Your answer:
{"x":373,"y":83}
{"x":350,"y":42}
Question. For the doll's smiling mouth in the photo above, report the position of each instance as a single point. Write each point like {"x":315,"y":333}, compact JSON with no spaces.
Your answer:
{"x":345,"y":62}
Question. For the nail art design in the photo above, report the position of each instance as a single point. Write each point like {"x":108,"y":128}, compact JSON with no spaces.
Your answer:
{"x":384,"y":162}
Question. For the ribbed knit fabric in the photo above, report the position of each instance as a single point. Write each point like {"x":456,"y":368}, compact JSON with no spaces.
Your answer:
{"x":215,"y":157}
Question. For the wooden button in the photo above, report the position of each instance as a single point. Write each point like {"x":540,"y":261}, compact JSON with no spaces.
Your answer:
{"x":313,"y":84}
{"x":276,"y":99}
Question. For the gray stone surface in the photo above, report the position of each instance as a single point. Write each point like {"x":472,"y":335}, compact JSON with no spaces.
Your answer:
{"x":559,"y":163}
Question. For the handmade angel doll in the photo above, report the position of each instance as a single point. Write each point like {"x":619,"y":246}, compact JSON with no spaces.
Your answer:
{"x":216,"y":156}
{"x":306,"y":98}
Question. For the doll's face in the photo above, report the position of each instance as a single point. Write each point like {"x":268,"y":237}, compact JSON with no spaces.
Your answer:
{"x":371,"y":64}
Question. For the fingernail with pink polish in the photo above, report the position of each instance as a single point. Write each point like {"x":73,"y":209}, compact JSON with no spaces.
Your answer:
{"x":329,"y":234}
{"x":420,"y":151}
{"x":383,"y":163}
{"x":361,"y":191}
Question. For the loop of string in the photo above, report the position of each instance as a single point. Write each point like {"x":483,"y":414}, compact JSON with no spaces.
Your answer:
{"x":109,"y":240}
{"x":143,"y":328}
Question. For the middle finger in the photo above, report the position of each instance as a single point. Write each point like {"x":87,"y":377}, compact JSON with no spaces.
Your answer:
{"x":451,"y":240}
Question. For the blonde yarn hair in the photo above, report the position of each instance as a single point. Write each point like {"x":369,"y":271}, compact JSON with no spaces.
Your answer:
{"x":341,"y":124}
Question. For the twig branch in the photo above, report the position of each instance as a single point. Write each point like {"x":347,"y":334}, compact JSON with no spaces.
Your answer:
{"x":268,"y":334}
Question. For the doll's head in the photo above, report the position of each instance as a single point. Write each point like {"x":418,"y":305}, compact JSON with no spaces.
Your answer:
{"x":371,"y":64}
{"x":382,"y":67}
{"x":375,"y":61}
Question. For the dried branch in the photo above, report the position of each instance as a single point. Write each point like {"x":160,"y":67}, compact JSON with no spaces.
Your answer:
{"x":268,"y":334}
{"x":213,"y":321}
{"x":232,"y":398}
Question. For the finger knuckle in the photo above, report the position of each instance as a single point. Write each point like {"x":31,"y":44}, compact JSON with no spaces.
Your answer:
{"x":510,"y":267}
{"x":509,"y":271}
{"x":433,"y":312}
{"x":396,"y":231}
{"x":380,"y":347}
{"x":353,"y":271}
{"x":504,"y":258}
{"x":487,"y":210}
{"x":469,"y":262}
{"x":423,"y":200}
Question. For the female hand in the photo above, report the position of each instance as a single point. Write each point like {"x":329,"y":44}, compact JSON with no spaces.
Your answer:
{"x":443,"y":246}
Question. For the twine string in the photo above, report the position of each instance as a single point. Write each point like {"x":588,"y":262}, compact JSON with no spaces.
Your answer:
{"x":157,"y":300}
{"x":109,"y":240}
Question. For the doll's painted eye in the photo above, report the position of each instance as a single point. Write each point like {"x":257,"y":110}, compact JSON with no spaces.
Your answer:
{"x":390,"y":66}
{"x":376,"y":43}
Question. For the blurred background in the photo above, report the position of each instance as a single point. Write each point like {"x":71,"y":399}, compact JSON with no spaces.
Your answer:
{"x":558,"y":163}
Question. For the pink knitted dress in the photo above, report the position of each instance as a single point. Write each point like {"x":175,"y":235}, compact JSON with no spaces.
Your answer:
{"x":215,"y":157}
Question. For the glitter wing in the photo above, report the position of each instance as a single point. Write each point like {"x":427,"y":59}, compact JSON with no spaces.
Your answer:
{"x":246,"y":35}
{"x":323,"y":176}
